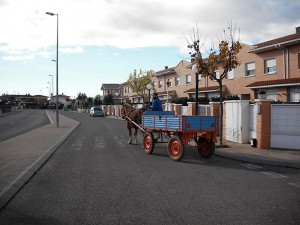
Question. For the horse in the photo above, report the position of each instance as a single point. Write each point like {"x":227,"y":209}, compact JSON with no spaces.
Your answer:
{"x":135,"y":115}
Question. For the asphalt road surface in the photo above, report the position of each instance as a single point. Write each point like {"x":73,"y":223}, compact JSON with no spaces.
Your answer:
{"x":21,"y":121}
{"x":95,"y":177}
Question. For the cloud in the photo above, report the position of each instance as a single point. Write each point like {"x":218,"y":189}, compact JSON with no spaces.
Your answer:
{"x":139,"y":23}
{"x":72,"y":50}
{"x":18,"y":57}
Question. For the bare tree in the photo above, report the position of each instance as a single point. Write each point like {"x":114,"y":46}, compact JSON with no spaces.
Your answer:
{"x":225,"y":55}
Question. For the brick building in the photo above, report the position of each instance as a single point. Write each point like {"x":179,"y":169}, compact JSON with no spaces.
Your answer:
{"x":272,"y":66}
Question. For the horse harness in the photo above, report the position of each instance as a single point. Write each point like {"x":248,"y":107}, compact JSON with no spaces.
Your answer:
{"x":137,"y":118}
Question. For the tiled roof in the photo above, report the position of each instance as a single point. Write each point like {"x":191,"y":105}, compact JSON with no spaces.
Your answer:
{"x":165,"y":72}
{"x":203,"y":89}
{"x":280,"y":82}
{"x":109,"y":86}
{"x":286,"y":40}
{"x":173,"y":92}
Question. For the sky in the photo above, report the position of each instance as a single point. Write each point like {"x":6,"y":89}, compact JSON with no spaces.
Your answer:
{"x":103,"y":41}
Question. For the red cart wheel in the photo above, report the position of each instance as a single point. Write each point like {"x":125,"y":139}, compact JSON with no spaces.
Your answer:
{"x":206,"y":148}
{"x":176,"y":148}
{"x":148,"y":142}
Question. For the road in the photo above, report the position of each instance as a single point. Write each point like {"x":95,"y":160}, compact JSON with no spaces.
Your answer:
{"x":21,"y":121}
{"x":95,"y":177}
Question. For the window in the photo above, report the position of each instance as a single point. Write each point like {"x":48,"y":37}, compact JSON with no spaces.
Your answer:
{"x":270,"y":66}
{"x":299,"y":60}
{"x":160,"y":83}
{"x":295,"y":94}
{"x":250,"y":69}
{"x":188,"y":79}
{"x":199,"y":78}
{"x":230,"y":75}
{"x":170,"y":82}
{"x":217,"y":74}
{"x":177,"y":81}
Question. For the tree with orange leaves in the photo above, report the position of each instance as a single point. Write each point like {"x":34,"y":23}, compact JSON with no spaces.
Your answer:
{"x":224,"y":56}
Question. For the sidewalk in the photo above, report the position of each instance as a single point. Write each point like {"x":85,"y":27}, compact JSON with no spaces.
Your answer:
{"x":22,"y":156}
{"x":246,"y":153}
{"x":20,"y":159}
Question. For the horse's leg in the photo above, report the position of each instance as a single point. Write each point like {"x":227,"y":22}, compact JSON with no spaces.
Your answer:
{"x":129,"y":131}
{"x":135,"y":135}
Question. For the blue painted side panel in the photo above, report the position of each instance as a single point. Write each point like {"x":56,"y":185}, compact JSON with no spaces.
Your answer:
{"x":159,"y":113}
{"x":199,"y":123}
{"x":181,"y":123}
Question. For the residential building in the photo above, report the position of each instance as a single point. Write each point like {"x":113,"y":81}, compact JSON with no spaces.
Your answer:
{"x":24,"y":101}
{"x":62,"y":100}
{"x":277,"y":68}
{"x":115,"y":90}
{"x":272,"y":66}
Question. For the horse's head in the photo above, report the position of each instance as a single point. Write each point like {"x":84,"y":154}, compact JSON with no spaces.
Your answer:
{"x":125,"y":109}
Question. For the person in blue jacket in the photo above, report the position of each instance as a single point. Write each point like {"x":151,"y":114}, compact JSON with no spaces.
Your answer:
{"x":156,"y":106}
{"x":156,"y":103}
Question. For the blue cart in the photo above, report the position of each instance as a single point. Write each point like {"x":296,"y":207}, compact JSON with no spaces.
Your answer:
{"x":180,"y":130}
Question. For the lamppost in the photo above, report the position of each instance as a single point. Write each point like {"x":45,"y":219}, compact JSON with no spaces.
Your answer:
{"x":52,"y":86}
{"x":117,"y":94}
{"x":116,"y":106}
{"x":149,"y":87}
{"x":49,"y":90}
{"x":195,"y":70}
{"x":57,"y":116}
{"x":168,"y":84}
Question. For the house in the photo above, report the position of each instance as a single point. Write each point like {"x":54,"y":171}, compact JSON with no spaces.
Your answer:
{"x":24,"y":101}
{"x":277,"y":68}
{"x":62,"y":100}
{"x":272,"y":66}
{"x":114,"y":90}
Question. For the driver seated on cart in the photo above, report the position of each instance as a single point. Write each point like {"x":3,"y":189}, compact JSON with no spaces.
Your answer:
{"x":156,"y":103}
{"x":156,"y":106}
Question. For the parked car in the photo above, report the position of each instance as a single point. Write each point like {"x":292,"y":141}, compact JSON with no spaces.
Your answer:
{"x":96,"y":111}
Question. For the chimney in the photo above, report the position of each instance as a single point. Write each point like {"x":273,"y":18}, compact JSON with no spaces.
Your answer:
{"x":166,"y":67}
{"x":297,"y":29}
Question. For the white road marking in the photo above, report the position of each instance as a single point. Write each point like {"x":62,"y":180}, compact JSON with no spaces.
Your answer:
{"x":295,"y":184}
{"x":275,"y":175}
{"x":99,"y":143}
{"x":251,"y":166}
{"x":78,"y":144}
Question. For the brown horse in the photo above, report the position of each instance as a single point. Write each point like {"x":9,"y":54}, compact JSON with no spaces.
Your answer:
{"x":135,"y":115}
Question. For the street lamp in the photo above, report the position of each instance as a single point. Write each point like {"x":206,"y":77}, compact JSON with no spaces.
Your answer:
{"x":49,"y":90}
{"x":149,"y":87}
{"x":117,"y":94}
{"x":195,"y":70}
{"x":168,"y":84}
{"x":57,"y":116}
{"x":52,"y":86}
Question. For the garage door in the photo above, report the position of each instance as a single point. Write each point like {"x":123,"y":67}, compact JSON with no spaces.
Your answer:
{"x":285,"y":126}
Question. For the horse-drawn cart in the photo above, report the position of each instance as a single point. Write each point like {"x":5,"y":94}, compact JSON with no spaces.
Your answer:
{"x":181,"y":130}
